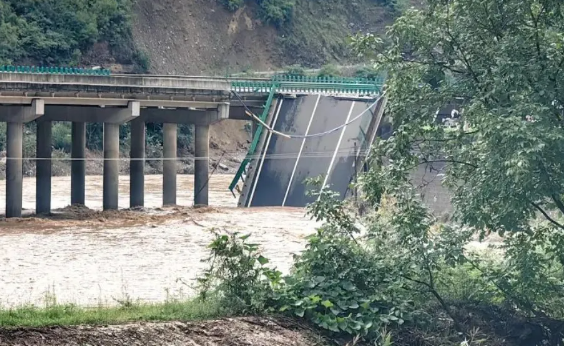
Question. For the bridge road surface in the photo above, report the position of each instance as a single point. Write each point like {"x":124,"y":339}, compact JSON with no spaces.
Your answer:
{"x":286,"y":163}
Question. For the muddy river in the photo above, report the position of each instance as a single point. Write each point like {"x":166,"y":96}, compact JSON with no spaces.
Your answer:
{"x":87,"y":257}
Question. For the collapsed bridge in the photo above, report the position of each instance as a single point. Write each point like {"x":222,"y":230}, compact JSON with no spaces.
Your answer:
{"x":333,"y":118}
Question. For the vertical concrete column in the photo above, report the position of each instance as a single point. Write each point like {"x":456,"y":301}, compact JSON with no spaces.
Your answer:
{"x":111,"y":166}
{"x":201,"y":165}
{"x":43,"y":165}
{"x":169,"y":164}
{"x":14,"y":173}
{"x":137,"y":165}
{"x":78,"y":164}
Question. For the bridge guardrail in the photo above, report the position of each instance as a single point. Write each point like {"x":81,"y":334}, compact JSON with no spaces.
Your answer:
{"x":54,"y":70}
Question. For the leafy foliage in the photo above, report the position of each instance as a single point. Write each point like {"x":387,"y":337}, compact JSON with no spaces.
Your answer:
{"x":59,"y":31}
{"x":276,"y":12}
{"x":499,"y":60}
{"x":237,"y":270}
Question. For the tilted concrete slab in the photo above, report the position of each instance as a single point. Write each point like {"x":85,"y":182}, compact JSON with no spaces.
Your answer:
{"x":276,"y":175}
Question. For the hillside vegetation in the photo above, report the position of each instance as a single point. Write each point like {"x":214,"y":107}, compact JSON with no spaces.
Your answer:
{"x":62,"y":32}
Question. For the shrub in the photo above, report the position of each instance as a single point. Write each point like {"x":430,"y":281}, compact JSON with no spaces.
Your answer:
{"x":276,"y":12}
{"x":329,"y":70}
{"x":62,"y":137}
{"x":238,"y":272}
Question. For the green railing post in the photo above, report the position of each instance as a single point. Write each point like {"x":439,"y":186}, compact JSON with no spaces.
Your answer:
{"x":255,"y":141}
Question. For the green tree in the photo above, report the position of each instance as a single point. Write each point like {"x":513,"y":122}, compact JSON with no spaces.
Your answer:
{"x":502,"y":61}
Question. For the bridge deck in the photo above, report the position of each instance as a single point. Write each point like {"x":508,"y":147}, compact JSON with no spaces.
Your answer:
{"x":283,"y":164}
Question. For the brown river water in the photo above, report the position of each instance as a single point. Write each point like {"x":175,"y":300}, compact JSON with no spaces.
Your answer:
{"x":88,"y":257}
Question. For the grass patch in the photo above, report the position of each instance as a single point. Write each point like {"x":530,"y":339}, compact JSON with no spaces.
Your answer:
{"x":70,"y":315}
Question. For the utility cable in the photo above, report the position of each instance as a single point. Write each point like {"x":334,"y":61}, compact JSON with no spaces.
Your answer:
{"x":251,"y":114}
{"x":209,"y":176}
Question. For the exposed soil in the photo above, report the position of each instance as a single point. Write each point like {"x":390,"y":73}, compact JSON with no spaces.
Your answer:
{"x":225,"y":332}
{"x":202,"y":37}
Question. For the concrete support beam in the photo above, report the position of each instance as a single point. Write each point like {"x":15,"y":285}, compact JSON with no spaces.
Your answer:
{"x":185,"y":116}
{"x":137,"y":165}
{"x":22,"y":113}
{"x":111,"y":166}
{"x":169,"y":164}
{"x":239,"y":112}
{"x":78,"y":164}
{"x":43,"y":165}
{"x":89,"y":114}
{"x":14,"y":173}
{"x":202,"y":165}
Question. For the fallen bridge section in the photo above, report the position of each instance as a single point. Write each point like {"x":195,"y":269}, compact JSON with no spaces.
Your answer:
{"x":276,"y":175}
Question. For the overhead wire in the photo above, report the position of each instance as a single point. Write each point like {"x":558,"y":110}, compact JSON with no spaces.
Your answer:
{"x":251,"y":114}
{"x":344,"y":151}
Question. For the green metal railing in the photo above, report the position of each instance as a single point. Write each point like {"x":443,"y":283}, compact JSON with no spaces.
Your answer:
{"x":54,"y":70}
{"x":256,"y":139}
{"x":305,"y":84}
{"x":309,"y":84}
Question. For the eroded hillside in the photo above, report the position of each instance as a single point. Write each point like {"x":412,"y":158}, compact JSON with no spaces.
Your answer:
{"x":203,"y":37}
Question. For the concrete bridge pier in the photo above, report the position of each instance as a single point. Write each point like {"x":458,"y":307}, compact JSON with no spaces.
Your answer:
{"x":78,"y":164}
{"x":169,"y":163}
{"x":16,"y":116}
{"x":201,"y":166}
{"x":14,"y":170}
{"x":43,"y":168}
{"x":111,"y":166}
{"x":137,"y":164}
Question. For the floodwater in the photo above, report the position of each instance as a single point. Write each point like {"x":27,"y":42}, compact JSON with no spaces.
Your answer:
{"x":88,"y":257}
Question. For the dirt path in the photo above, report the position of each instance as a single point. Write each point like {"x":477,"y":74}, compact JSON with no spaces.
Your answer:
{"x":90,"y":257}
{"x":227,"y":332}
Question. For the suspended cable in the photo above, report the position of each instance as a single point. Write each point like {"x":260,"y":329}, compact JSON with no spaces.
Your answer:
{"x":321,"y":134}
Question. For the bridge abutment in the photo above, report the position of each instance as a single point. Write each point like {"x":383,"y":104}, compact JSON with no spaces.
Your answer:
{"x":169,"y":163}
{"x":78,"y":164}
{"x":137,"y":164}
{"x":201,"y":166}
{"x":43,"y":168}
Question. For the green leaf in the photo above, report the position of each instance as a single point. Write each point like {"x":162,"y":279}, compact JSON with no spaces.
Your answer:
{"x":245,"y":237}
{"x":299,"y":312}
{"x":347,"y":285}
{"x":262,"y":260}
{"x":327,"y":304}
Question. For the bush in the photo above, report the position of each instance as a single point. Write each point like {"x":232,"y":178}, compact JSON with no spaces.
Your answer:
{"x":276,"y":12}
{"x":62,"y":137}
{"x":233,"y":5}
{"x":238,"y":272}
{"x":329,"y":70}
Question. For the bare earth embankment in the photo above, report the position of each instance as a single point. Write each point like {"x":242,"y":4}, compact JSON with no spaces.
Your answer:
{"x":226,"y":332}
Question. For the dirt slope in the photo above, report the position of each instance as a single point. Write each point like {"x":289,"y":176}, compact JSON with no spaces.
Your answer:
{"x":201,"y":37}
{"x":227,"y":332}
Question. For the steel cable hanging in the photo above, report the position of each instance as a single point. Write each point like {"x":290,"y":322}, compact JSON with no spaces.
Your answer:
{"x":321,"y":134}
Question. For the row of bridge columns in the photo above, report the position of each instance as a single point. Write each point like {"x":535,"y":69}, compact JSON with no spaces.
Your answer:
{"x":14,"y":172}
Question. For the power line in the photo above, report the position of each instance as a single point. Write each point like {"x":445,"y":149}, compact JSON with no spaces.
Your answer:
{"x":251,"y":114}
{"x":342,"y":152}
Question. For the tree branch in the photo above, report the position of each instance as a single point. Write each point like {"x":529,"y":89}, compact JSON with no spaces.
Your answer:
{"x":538,"y":207}
{"x":558,"y":202}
